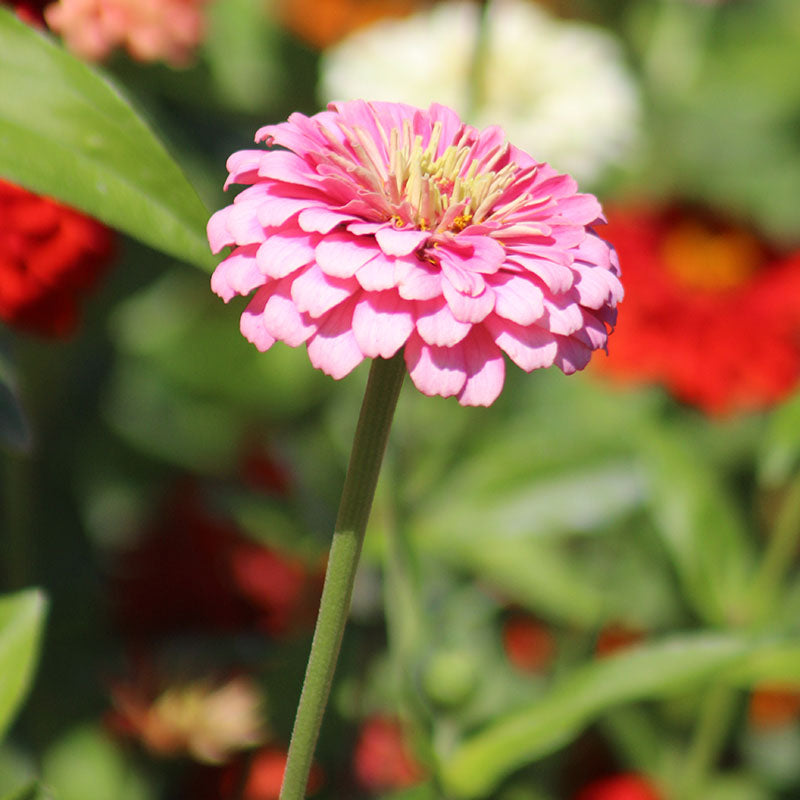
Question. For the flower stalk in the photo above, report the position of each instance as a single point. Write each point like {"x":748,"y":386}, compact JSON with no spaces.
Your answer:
{"x":372,"y":432}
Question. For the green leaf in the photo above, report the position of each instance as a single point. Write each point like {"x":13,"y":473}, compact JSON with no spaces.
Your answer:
{"x":67,"y":133}
{"x":21,"y":619}
{"x":649,"y":671}
{"x":779,"y":453}
{"x":700,"y":527}
{"x":87,"y":765}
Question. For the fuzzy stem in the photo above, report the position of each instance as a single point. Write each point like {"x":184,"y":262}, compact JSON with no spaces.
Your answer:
{"x":369,"y":445}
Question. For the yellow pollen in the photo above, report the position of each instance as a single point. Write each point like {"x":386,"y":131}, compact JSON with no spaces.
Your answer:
{"x":432,"y":184}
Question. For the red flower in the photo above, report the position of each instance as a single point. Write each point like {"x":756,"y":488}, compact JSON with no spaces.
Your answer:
{"x":773,"y":706}
{"x":620,"y":787}
{"x":383,"y":760}
{"x":529,"y":645}
{"x":50,"y":255}
{"x":192,"y":571}
{"x":616,"y":637}
{"x":29,"y":11}
{"x":709,"y":311}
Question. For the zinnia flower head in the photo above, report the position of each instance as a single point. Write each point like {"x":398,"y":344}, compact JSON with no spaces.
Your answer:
{"x":150,"y":30}
{"x":560,"y":88}
{"x":50,"y":255}
{"x":382,"y":226}
{"x":383,"y":759}
{"x":694,"y":278}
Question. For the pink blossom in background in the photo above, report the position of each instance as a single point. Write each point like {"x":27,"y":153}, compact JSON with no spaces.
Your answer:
{"x":383,"y":227}
{"x":150,"y":30}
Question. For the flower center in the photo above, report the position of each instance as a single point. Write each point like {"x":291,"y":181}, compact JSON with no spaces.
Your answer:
{"x":446,"y":192}
{"x":702,"y":258}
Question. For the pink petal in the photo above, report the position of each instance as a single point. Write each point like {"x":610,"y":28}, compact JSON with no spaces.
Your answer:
{"x":435,"y":370}
{"x":466,"y":308}
{"x":557,"y":277}
{"x":486,"y":370}
{"x":217,"y":229}
{"x":281,"y":318}
{"x":382,"y":322}
{"x":237,"y":274}
{"x":282,"y":165}
{"x":334,"y":348}
{"x":517,"y":298}
{"x":437,"y":325}
{"x":340,"y":254}
{"x":251,"y":323}
{"x":243,"y":224}
{"x":417,"y":280}
{"x":321,"y":220}
{"x":275,"y":211}
{"x":562,"y":315}
{"x":396,"y":242}
{"x":283,"y":253}
{"x":529,"y":347}
{"x":597,"y":287}
{"x":243,"y":166}
{"x":572,"y":355}
{"x":377,"y":274}
{"x":316,"y":293}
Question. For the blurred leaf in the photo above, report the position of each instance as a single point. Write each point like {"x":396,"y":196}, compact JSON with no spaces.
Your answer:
{"x":648,"y":671}
{"x":242,"y":53}
{"x":191,"y":341}
{"x":21,"y":620}
{"x":779,"y":453}
{"x":87,"y":765}
{"x":538,"y":575}
{"x":14,"y":429}
{"x":66,"y":132}
{"x":699,"y":526}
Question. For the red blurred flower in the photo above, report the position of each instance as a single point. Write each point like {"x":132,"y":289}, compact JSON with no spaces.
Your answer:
{"x":529,"y":645}
{"x":50,"y":255}
{"x":191,"y":571}
{"x":773,"y":706}
{"x":29,"y":11}
{"x":383,"y":760}
{"x":710,"y":311}
{"x":264,"y":777}
{"x":620,"y":787}
{"x":616,"y":637}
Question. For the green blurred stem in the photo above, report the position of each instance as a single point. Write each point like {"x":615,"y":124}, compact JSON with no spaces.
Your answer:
{"x":369,"y":445}
{"x":780,"y":552}
{"x":713,"y":726}
{"x":476,"y":86}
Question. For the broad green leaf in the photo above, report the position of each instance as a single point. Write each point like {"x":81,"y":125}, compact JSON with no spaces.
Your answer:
{"x":21,"y":619}
{"x":67,"y":133}
{"x":699,"y":526}
{"x":650,"y":671}
{"x":87,"y":765}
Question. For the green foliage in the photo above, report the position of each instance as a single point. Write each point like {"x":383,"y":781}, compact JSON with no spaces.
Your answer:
{"x":65,"y":131}
{"x":21,"y":620}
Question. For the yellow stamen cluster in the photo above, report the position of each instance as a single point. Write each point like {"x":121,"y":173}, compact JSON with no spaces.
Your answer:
{"x":428,"y":187}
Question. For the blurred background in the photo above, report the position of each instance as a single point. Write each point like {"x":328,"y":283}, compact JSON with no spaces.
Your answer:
{"x":587,"y":591}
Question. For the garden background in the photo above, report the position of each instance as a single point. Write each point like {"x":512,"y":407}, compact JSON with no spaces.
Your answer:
{"x":588,"y":590}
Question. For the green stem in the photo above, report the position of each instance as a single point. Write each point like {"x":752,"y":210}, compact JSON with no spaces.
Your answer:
{"x":713,"y":725}
{"x":369,"y":445}
{"x":780,"y":553}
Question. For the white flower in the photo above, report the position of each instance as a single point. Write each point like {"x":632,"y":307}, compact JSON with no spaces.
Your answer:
{"x":560,"y":89}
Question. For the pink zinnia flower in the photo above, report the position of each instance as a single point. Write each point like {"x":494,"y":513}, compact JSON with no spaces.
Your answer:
{"x":382,"y":226}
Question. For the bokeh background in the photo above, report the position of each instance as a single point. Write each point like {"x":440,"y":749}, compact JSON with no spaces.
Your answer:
{"x":588,"y":590}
